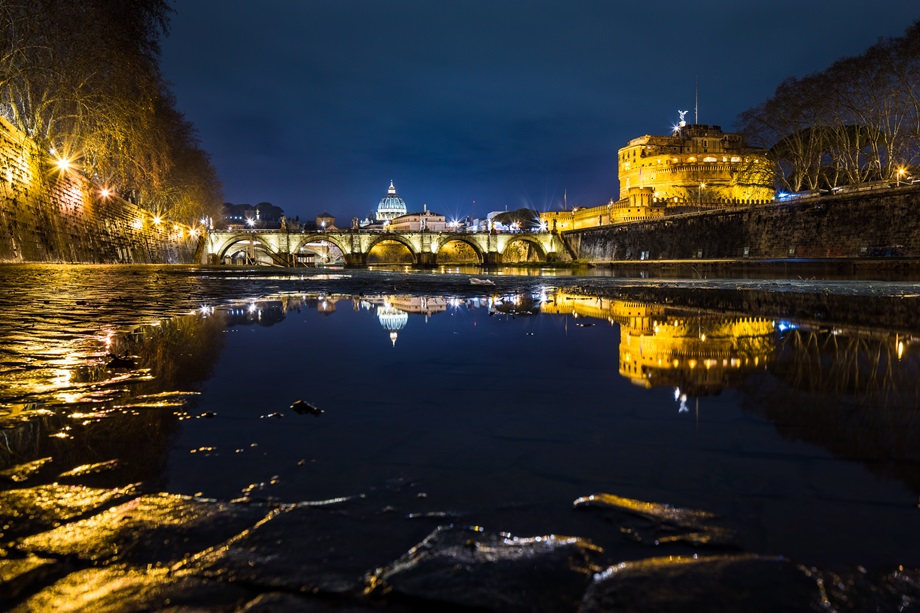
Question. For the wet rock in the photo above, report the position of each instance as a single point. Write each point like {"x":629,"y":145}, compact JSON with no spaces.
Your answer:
{"x":304,"y":408}
{"x":669,"y":524}
{"x":25,"y":512}
{"x":467,"y":567}
{"x":119,"y":588}
{"x":327,"y":548}
{"x":120,"y":363}
{"x":18,"y":576}
{"x":722,"y":583}
{"x":22,"y":472}
{"x":155,"y":529}
{"x":872,"y":590}
{"x":278,"y":602}
{"x":90,"y":469}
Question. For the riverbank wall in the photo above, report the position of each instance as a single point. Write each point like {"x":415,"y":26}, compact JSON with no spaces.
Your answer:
{"x":882,"y":224}
{"x":49,"y":214}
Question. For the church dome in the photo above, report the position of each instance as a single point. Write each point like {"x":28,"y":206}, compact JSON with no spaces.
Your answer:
{"x":391,"y":206}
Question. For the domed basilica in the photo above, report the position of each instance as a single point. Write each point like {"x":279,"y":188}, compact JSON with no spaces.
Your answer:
{"x":391,"y":206}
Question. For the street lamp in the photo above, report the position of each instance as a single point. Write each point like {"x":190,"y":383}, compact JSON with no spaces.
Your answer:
{"x":901,"y":173}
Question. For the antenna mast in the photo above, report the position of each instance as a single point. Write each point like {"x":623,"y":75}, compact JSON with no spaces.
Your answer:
{"x":696,"y":111}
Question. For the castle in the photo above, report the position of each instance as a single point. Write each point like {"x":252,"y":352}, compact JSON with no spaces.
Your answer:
{"x":698,"y":167}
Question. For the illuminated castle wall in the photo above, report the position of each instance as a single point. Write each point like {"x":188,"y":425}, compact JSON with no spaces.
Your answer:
{"x":697,"y":165}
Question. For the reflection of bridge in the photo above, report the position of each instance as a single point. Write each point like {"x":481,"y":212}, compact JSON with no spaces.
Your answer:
{"x":285,"y":248}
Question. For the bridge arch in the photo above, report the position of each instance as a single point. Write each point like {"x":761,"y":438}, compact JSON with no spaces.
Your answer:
{"x":302,"y":243}
{"x":253,"y":249}
{"x":316,"y":237}
{"x":531,"y":242}
{"x":477,"y":250}
{"x":393,"y":238}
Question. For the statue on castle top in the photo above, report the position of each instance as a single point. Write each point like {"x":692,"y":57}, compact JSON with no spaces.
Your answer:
{"x":682,"y":121}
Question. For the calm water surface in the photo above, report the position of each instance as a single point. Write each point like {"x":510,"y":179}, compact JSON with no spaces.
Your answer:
{"x":788,"y":409}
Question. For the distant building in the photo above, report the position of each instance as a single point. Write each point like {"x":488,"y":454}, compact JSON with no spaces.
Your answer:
{"x":325,"y":221}
{"x":426,"y":221}
{"x":262,"y":215}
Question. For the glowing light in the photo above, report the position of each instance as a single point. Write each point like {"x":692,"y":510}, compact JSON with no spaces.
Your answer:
{"x":104,"y":193}
{"x":250,"y":222}
{"x":63,"y":164}
{"x":900,"y":349}
{"x":157,"y":220}
{"x":137,"y":224}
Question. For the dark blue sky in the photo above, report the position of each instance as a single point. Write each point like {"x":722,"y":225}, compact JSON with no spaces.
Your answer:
{"x":315,"y":105}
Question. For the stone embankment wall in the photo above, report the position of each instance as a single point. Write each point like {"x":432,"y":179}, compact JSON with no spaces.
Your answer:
{"x":53,"y":215}
{"x":883,"y":223}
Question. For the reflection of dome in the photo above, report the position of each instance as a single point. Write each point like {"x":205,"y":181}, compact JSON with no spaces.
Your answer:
{"x":392,"y":319}
{"x":391,"y":205}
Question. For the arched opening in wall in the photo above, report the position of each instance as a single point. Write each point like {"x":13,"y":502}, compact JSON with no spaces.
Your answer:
{"x":521,"y":251}
{"x":390,"y":252}
{"x":249,"y":253}
{"x":458,"y":252}
{"x":319,"y":253}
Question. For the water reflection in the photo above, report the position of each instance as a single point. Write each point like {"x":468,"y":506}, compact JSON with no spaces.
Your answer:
{"x":501,"y":409}
{"x":697,"y":354}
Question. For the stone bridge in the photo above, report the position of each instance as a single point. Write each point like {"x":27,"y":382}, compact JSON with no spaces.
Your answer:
{"x":291,"y":248}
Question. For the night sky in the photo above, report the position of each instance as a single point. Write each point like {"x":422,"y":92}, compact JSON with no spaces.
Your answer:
{"x":477,"y":105}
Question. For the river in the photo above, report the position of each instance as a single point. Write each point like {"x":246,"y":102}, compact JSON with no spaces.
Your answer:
{"x":225,"y":438}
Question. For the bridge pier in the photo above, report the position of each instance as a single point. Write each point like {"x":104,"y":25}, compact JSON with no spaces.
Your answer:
{"x":426,"y":259}
{"x":491,"y":258}
{"x":355,"y":260}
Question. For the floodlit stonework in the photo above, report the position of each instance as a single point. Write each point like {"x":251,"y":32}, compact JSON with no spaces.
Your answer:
{"x":697,"y":166}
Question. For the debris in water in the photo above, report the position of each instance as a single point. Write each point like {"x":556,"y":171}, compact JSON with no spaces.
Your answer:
{"x":304,"y":408}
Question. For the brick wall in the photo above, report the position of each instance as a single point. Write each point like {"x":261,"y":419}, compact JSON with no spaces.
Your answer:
{"x":49,"y":215}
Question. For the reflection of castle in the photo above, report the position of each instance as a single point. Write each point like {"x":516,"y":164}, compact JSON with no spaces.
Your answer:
{"x":699,"y":353}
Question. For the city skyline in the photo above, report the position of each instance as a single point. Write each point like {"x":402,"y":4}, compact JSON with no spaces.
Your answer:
{"x":478,"y":107}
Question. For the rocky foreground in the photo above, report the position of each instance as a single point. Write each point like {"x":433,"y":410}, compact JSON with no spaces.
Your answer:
{"x":75,"y":548}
